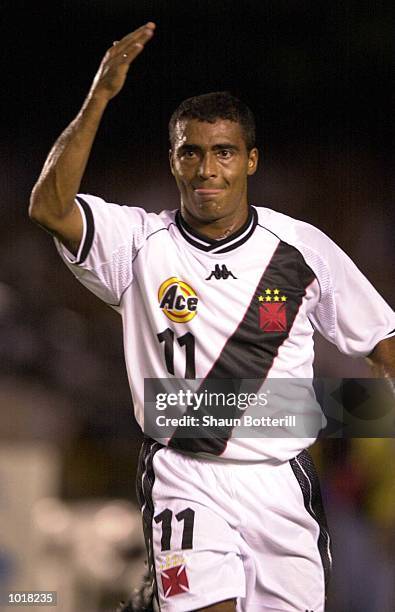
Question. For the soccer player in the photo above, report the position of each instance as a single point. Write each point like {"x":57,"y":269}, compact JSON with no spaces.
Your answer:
{"x":218,"y":290}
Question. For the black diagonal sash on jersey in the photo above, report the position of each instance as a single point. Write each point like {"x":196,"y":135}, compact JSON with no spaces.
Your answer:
{"x":250,"y":351}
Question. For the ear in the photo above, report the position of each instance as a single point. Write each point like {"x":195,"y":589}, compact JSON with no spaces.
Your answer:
{"x":252,"y":163}
{"x":171,"y":161}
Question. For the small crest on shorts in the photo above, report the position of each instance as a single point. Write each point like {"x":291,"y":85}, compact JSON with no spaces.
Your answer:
{"x":272,"y":310}
{"x":175,"y":581}
{"x":171,"y":561}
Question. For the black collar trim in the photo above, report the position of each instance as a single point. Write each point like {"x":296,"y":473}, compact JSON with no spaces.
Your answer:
{"x":218,"y":246}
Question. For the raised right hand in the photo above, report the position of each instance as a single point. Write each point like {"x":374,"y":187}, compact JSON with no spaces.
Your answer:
{"x":114,"y":67}
{"x":52,"y":203}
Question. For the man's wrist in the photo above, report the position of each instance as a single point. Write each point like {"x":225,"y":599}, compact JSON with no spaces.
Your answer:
{"x":96,"y":100}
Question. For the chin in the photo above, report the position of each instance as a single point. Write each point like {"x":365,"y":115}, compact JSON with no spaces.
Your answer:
{"x":209,"y":208}
{"x":208,"y":211}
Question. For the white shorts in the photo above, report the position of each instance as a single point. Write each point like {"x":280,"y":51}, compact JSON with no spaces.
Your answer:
{"x":253,"y":532}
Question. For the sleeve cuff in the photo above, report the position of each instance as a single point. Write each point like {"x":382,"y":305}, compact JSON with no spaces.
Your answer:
{"x":390,"y":335}
{"x":87,"y":235}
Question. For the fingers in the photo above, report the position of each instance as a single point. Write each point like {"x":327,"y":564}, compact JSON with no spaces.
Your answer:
{"x":131,"y":45}
{"x":150,"y":25}
{"x":147,"y":26}
{"x":115,"y":64}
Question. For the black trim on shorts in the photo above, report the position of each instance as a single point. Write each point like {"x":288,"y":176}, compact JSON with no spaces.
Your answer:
{"x":250,"y":351}
{"x":90,"y":230}
{"x":145,"y":479}
{"x":305,"y":473}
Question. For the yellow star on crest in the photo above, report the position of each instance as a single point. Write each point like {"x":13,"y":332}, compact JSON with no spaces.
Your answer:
{"x":276,"y":291}
{"x":283,"y":298}
{"x":268,"y":298}
{"x":261,"y":298}
{"x":268,"y":291}
{"x":276,"y":298}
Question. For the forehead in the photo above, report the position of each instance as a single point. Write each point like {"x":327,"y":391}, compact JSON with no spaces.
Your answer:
{"x":204,"y":134}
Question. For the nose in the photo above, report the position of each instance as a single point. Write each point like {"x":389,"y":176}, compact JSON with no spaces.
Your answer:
{"x":208,"y":167}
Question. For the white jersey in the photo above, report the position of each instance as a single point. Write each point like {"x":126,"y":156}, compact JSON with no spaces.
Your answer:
{"x":244,"y":307}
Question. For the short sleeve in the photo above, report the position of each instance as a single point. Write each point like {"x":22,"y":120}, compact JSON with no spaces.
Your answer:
{"x":350,"y":312}
{"x":112,"y":237}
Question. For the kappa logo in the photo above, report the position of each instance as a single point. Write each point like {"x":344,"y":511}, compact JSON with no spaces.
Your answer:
{"x":177,"y":300}
{"x":273,"y":311}
{"x":220,"y":272}
{"x":175,"y":581}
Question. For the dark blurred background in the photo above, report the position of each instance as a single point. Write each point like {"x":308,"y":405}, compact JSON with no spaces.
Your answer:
{"x":319,"y":78}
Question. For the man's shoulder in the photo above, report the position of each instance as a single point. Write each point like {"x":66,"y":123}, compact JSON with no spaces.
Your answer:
{"x":293,"y":231}
{"x":126,"y":214}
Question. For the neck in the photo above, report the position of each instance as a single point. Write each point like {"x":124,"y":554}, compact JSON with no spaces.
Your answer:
{"x":216,"y":229}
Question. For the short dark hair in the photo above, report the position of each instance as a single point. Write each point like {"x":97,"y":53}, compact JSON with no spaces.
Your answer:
{"x":213,"y":106}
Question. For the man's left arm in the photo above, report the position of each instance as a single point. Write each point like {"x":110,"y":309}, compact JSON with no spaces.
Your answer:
{"x":382,"y":360}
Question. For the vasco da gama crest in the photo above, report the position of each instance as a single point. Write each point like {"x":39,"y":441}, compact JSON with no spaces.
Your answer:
{"x":273,"y":311}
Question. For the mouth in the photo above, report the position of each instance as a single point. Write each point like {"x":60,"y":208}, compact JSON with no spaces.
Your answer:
{"x":207,"y":193}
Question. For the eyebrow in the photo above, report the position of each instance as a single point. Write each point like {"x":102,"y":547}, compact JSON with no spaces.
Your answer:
{"x":216,"y":147}
{"x":226,"y":145}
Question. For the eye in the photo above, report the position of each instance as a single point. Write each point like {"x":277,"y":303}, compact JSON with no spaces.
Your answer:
{"x":188,"y":154}
{"x":225,"y":153}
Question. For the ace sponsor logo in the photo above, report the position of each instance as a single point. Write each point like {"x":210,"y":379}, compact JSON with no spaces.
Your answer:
{"x":177,"y":300}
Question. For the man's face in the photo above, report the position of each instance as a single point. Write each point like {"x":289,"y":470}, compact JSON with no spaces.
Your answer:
{"x":211,"y":164}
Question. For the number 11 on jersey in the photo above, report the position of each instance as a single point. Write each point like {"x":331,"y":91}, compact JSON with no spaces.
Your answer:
{"x":187,"y":340}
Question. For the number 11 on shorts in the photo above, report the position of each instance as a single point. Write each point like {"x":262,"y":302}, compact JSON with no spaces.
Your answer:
{"x":166,"y":517}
